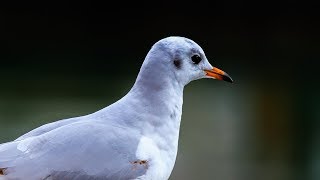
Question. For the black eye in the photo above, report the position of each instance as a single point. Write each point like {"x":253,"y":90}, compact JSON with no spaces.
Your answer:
{"x":196,"y":59}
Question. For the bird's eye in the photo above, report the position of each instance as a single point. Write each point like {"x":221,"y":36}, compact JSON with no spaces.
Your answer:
{"x":196,"y":59}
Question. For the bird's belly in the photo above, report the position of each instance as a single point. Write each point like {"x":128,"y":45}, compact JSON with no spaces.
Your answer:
{"x":159,"y":163}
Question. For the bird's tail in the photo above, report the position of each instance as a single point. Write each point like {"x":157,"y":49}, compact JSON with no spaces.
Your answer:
{"x":2,"y":177}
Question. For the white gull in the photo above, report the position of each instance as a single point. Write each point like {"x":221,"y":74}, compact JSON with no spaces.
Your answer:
{"x":133,"y":138}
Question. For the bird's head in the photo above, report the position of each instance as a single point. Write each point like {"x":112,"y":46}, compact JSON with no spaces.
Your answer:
{"x":177,"y":60}
{"x":184,"y":59}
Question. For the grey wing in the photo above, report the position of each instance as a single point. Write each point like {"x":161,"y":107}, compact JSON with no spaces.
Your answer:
{"x":49,"y":127}
{"x":75,"y":151}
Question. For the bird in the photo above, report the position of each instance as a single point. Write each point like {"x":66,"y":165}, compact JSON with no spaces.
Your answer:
{"x":136,"y":137}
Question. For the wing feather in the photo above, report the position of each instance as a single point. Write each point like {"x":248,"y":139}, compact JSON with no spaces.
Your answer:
{"x":93,"y":150}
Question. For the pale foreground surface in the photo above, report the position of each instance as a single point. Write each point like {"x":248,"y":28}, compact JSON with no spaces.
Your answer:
{"x":133,"y":138}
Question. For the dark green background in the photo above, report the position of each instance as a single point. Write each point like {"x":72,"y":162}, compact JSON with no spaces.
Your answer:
{"x":60,"y":60}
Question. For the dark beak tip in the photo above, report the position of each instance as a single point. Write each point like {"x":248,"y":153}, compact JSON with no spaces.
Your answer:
{"x":227,"y":78}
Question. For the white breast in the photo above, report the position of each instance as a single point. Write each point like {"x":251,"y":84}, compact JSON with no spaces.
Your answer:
{"x":160,"y":162}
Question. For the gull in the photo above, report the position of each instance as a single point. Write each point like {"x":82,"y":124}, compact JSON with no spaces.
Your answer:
{"x":136,"y":137}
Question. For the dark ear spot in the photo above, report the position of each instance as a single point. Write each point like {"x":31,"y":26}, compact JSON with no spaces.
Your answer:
{"x":177,"y":63}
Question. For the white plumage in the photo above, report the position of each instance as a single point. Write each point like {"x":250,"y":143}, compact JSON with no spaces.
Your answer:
{"x":133,"y":138}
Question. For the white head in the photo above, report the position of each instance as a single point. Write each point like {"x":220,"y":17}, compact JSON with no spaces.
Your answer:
{"x":178,"y":59}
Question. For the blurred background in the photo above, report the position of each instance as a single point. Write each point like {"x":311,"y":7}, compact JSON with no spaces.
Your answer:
{"x":60,"y":60}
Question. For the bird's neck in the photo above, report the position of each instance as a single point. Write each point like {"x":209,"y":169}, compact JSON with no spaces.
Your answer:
{"x":160,"y":109}
{"x":158,"y":93}
{"x":162,"y":99}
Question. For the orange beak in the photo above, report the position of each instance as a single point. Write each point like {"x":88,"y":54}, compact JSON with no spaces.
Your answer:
{"x":218,"y":74}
